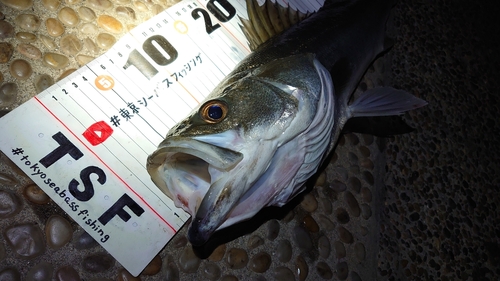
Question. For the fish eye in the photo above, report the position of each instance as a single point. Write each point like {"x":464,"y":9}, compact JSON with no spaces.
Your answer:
{"x":213,"y":111}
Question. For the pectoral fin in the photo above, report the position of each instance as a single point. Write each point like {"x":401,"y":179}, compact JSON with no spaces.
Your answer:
{"x":384,"y":101}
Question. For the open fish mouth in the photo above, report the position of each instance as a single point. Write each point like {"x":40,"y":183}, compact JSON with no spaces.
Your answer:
{"x":185,"y":169}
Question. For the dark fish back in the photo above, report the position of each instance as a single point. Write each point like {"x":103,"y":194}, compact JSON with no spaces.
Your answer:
{"x":345,"y":36}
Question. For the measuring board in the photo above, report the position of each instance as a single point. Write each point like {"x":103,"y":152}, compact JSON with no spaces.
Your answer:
{"x":85,"y":140}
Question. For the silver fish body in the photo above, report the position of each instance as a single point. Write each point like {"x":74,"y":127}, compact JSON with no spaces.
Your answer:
{"x":267,"y":127}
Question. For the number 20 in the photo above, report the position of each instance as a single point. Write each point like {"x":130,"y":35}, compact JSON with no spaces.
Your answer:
{"x":230,"y":11}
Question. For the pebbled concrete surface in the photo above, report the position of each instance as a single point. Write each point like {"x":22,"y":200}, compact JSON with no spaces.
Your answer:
{"x":441,"y":216}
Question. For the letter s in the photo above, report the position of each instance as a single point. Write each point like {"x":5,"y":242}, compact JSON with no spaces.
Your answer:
{"x":88,"y":191}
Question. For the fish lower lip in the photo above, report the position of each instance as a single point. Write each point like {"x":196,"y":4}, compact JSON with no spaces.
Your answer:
{"x":195,"y":236}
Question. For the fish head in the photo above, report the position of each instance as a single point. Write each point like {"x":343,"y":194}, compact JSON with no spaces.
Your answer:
{"x":219,"y":164}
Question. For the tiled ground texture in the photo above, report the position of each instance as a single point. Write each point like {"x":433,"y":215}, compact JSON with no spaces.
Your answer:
{"x":421,"y":206}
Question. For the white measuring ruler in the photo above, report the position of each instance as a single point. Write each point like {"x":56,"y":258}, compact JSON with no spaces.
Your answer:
{"x":85,"y":140}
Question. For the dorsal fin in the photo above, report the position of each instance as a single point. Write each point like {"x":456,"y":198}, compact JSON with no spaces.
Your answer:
{"x":267,"y":21}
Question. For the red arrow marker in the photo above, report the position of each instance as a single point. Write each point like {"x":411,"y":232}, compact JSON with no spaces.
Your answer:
{"x":98,"y":132}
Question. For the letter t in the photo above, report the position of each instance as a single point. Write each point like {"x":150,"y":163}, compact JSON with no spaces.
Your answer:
{"x":65,"y":147}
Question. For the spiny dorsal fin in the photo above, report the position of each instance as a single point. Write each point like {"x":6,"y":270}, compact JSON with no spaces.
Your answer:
{"x":267,"y":21}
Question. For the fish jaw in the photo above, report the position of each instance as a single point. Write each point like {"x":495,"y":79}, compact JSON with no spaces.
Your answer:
{"x":183,"y":168}
{"x":207,"y":180}
{"x":226,"y":191}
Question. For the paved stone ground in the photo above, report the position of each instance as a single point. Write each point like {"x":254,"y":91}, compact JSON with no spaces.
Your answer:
{"x":421,"y":206}
{"x":441,"y":215}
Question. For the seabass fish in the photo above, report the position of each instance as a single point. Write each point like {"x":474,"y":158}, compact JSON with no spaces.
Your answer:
{"x":266,"y":128}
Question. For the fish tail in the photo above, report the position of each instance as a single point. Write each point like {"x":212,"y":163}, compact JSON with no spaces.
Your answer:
{"x":384,"y":101}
